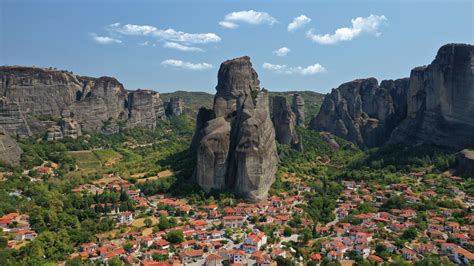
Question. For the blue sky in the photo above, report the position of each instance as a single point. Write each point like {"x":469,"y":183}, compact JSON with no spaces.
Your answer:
{"x":179,"y":45}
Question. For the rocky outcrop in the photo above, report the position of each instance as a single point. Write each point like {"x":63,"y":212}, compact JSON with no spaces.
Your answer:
{"x":465,"y":163}
{"x":175,"y":106}
{"x":32,"y":98}
{"x":145,"y":109}
{"x":235,"y":141}
{"x":284,"y":121}
{"x":298,"y":108}
{"x":440,"y":101}
{"x":330,"y":140}
{"x":434,"y":106}
{"x":362,"y":111}
{"x":10,"y":152}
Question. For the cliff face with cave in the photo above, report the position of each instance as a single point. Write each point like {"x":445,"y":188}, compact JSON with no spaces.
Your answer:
{"x":235,"y":141}
{"x":435,"y":105}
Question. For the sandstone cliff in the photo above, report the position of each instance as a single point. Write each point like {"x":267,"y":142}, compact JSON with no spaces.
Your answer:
{"x":175,"y":107}
{"x":284,"y":121}
{"x":435,"y":105}
{"x":10,"y":152}
{"x":61,"y":104}
{"x":235,"y":141}
{"x":362,"y":111}
{"x":298,"y":108}
{"x":440,"y":101}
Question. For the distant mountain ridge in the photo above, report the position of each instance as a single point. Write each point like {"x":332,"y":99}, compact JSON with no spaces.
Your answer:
{"x":195,"y":100}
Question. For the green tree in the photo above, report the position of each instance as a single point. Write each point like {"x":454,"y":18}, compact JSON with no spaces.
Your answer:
{"x":175,"y":236}
{"x":164,"y":223}
{"x":148,"y":222}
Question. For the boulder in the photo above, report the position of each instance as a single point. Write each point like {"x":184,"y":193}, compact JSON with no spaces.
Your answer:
{"x":466,"y":163}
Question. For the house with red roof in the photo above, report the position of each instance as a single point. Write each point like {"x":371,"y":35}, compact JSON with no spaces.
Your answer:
{"x":254,"y":241}
{"x":214,"y":260}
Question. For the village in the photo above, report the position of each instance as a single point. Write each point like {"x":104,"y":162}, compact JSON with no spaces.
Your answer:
{"x":373,"y":222}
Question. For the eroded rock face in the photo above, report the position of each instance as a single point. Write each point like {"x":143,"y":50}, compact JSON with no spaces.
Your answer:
{"x":466,"y":163}
{"x":10,"y":152}
{"x":175,"y":106}
{"x":235,"y":141}
{"x":298,"y":108}
{"x":284,"y":121}
{"x":362,"y":111}
{"x":34,"y":97}
{"x":434,"y":106}
{"x":145,"y":109}
{"x":440,"y":101}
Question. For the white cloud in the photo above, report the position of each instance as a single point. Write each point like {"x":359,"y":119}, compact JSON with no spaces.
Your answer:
{"x":130,"y":29}
{"x":145,"y":43}
{"x":167,"y":34}
{"x":252,"y":17}
{"x":228,"y":24}
{"x":284,"y":69}
{"x":282,"y":51}
{"x":370,"y":25}
{"x":180,"y":47}
{"x":105,"y":39}
{"x":298,"y":22}
{"x":185,"y":65}
{"x":179,"y":36}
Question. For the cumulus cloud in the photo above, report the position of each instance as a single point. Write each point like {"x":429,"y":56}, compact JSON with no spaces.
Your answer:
{"x":145,"y":43}
{"x":282,"y":51}
{"x":232,"y":20}
{"x":163,"y":34}
{"x":178,"y":64}
{"x":180,"y":47}
{"x":284,"y":69}
{"x":298,"y":22}
{"x":105,"y":39}
{"x":228,"y":24}
{"x":360,"y":25}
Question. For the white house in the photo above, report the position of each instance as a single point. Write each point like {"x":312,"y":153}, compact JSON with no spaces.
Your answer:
{"x":254,"y":241}
{"x":125,"y":217}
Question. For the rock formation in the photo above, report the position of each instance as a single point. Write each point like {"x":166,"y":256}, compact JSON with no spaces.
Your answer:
{"x":434,"y":106}
{"x":298,"y":108}
{"x":175,"y":106}
{"x":465,"y":163}
{"x":32,"y":98}
{"x":284,"y":121}
{"x":440,"y":101}
{"x":235,"y":141}
{"x":362,"y":111}
{"x":10,"y":152}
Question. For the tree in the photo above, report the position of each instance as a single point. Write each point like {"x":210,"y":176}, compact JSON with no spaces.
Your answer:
{"x":164,"y":223}
{"x":115,"y":262}
{"x":410,"y":233}
{"x":3,"y":242}
{"x":175,"y":236}
{"x":287,"y":231}
{"x":148,"y":222}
